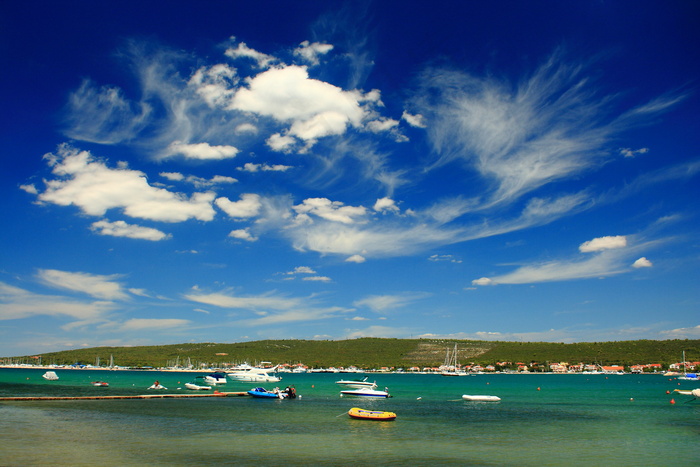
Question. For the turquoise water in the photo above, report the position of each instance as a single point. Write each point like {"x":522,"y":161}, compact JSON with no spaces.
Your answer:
{"x":581,"y":420}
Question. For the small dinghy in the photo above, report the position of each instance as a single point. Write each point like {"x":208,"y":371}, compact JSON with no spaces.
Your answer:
{"x":157,"y":385}
{"x":376,"y":415}
{"x":481,"y":398}
{"x":100,"y":384}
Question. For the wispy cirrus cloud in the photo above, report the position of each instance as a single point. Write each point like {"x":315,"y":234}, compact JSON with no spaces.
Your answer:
{"x":550,"y":126}
{"x":98,"y":286}
{"x":604,"y":256}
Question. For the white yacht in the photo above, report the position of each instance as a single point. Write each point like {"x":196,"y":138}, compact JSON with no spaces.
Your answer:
{"x":253,"y":374}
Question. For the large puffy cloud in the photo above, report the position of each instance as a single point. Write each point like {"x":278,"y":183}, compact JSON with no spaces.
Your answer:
{"x":95,"y":188}
{"x":315,"y":108}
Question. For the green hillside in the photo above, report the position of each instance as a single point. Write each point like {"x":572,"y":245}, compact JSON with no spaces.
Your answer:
{"x":376,"y":353}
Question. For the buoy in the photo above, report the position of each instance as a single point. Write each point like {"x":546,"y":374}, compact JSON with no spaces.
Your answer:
{"x":668,"y":392}
{"x":631,"y":398}
{"x":538,"y":388}
{"x":673,"y":401}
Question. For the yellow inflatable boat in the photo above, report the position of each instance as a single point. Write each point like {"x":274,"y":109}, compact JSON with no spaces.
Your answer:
{"x":362,"y":414}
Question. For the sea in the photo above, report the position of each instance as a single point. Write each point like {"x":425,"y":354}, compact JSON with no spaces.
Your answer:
{"x":541,"y":420}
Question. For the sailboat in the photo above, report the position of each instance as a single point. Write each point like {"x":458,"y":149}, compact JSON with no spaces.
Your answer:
{"x":687,"y":376}
{"x":451,"y":367}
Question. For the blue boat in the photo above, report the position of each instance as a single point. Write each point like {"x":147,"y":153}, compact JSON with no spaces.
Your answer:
{"x":274,"y":394}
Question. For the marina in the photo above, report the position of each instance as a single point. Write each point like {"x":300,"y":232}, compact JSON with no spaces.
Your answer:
{"x":546,"y":419}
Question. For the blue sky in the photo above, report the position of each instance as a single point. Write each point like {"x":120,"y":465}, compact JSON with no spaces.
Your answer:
{"x":231,"y":171}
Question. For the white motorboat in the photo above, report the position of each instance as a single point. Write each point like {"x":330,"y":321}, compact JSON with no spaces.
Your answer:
{"x":196,"y":387}
{"x":480,"y":398}
{"x":253,"y":374}
{"x":50,"y":376}
{"x":215,"y":378}
{"x":364,"y":392}
{"x":357,"y":383}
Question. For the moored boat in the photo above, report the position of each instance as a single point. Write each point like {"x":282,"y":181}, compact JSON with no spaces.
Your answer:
{"x":377,"y":415}
{"x":364,"y":392}
{"x":253,"y":374}
{"x":288,"y":393}
{"x":197,"y":387}
{"x":357,"y":383}
{"x":215,"y":378}
{"x":50,"y":376}
{"x":100,"y":384}
{"x":480,"y":398}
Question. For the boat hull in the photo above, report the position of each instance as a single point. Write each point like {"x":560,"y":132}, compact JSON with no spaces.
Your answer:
{"x":480,"y":398}
{"x":375,"y":415}
{"x":364,"y":393}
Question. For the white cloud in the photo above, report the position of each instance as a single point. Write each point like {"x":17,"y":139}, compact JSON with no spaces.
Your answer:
{"x":122,"y":229}
{"x":17,"y":303}
{"x":214,"y":84}
{"x":140,"y":324}
{"x":198,"y":182}
{"x":82,"y":181}
{"x":311,"y":51}
{"x":682,"y":333}
{"x":603,"y":243}
{"x":242,"y":234}
{"x":317,"y":279}
{"x":280,"y":143}
{"x":200,"y":151}
{"x":627,"y":152}
{"x":315,"y":108}
{"x":382,"y":124}
{"x":334,"y":211}
{"x":248,"y":206}
{"x":228,"y":300}
{"x":355,"y":259}
{"x":103,"y":115}
{"x":102,"y":287}
{"x":482,"y":281}
{"x":386,"y":204}
{"x":30,"y":188}
{"x":549,"y":127}
{"x":243,"y":51}
{"x":450,"y":258}
{"x":642,"y":263}
{"x":414,"y":120}
{"x":253,"y":168}
{"x":608,"y":258}
{"x":383,"y":303}
{"x":302,"y":270}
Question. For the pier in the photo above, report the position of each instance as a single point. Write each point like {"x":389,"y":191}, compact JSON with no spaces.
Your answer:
{"x":143,"y":396}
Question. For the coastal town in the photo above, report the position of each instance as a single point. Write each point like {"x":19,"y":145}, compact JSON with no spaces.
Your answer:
{"x":672,"y":369}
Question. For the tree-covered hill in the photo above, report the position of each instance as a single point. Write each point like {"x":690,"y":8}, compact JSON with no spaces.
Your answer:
{"x":376,"y":353}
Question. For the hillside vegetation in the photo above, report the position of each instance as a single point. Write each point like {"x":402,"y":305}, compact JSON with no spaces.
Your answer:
{"x":377,"y":352}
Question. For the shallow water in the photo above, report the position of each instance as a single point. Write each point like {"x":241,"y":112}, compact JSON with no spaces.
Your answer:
{"x":571,"y":420}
